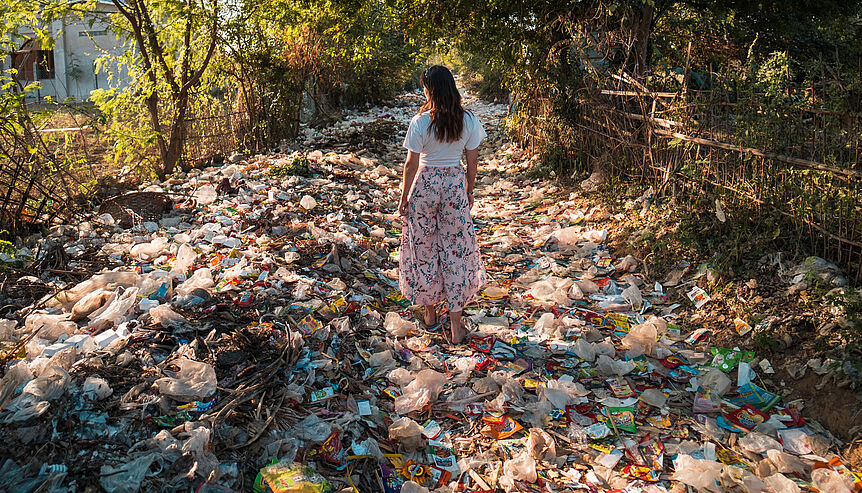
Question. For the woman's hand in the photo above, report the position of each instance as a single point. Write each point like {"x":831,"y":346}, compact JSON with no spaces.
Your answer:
{"x":402,"y":207}
{"x":470,"y":199}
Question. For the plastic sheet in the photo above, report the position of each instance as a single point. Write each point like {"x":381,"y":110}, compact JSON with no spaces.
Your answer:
{"x":188,"y":380}
{"x":126,"y":478}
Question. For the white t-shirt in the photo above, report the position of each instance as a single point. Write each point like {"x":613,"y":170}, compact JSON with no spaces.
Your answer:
{"x":433,"y":152}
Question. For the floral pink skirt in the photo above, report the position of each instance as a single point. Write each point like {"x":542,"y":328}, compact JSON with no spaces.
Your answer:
{"x":440,"y":258}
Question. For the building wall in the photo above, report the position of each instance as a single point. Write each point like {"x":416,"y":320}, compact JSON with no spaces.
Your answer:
{"x":77,"y":46}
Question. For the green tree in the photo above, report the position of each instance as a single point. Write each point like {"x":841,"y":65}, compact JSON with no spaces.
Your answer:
{"x":175,"y":41}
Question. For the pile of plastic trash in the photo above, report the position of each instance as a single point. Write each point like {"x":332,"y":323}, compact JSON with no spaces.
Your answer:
{"x":254,"y":339}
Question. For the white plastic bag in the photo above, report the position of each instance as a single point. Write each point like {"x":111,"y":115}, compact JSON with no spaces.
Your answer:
{"x":189,"y":381}
{"x":186,"y":257}
{"x":307,"y":202}
{"x":96,"y":388}
{"x":205,"y":195}
{"x":201,"y":278}
{"x":116,"y":312}
{"x":153,"y":249}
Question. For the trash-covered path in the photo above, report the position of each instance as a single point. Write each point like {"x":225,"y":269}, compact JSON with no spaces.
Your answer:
{"x":260,"y":323}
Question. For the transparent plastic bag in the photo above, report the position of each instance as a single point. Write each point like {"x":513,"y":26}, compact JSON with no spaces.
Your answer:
{"x":701,"y":474}
{"x":716,"y":381}
{"x":312,"y":429}
{"x":642,"y":338}
{"x":95,"y":388}
{"x":115,"y":313}
{"x":153,"y":249}
{"x":632,"y":294}
{"x":780,"y":483}
{"x":67,"y":299}
{"x":167,"y":318}
{"x":50,"y":327}
{"x":522,"y":467}
{"x":16,"y":376}
{"x":541,"y":445}
{"x":126,"y":478}
{"x":91,"y":302}
{"x":397,"y":326}
{"x":826,"y":479}
{"x":758,"y":442}
{"x":606,"y":367}
{"x":585,"y":350}
{"x":408,"y":433}
{"x":201,"y":279}
{"x":420,"y":392}
{"x":186,"y":257}
{"x":188,"y":380}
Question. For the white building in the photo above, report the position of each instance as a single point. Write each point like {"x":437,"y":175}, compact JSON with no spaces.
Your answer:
{"x":69,"y":69}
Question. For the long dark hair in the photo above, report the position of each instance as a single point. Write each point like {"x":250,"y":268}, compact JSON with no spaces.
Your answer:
{"x":444,"y":103}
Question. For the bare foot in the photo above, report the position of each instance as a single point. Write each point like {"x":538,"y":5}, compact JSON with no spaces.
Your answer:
{"x":458,"y":333}
{"x":430,"y":316}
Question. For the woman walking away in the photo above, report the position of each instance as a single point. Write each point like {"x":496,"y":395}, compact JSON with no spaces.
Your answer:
{"x":440,"y":258}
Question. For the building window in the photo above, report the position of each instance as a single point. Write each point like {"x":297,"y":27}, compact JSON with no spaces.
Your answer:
{"x":89,"y":34}
{"x":33,"y":63}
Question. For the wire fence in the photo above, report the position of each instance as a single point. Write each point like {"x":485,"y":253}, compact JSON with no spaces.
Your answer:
{"x":797,"y":160}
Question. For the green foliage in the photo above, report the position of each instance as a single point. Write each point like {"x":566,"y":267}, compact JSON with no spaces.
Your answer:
{"x":298,"y":166}
{"x":8,"y":248}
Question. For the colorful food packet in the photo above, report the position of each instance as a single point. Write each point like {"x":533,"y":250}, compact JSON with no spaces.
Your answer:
{"x":623,"y":418}
{"x":332,"y":450}
{"x":727,"y":359}
{"x":747,"y":417}
{"x":752,"y":394}
{"x":499,"y":427}
{"x":698,"y":296}
{"x":641,"y":472}
{"x":741,"y":326}
{"x":621,"y":388}
{"x":290,"y":477}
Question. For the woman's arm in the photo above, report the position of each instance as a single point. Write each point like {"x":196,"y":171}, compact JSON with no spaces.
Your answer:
{"x":411,"y":164}
{"x":472,"y":166}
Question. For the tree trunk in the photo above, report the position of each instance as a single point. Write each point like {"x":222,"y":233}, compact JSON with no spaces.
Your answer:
{"x":152,"y":102}
{"x":177,"y":140}
{"x":641,"y":29}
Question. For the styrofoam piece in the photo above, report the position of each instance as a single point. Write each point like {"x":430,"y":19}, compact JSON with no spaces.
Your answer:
{"x":106,"y":338}
{"x":55,"y":348}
